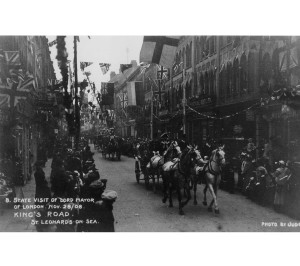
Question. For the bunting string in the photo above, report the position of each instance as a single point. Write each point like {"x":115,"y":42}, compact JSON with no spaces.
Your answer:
{"x":226,"y":116}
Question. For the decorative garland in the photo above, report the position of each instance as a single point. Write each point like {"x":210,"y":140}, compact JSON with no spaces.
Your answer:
{"x":62,"y":58}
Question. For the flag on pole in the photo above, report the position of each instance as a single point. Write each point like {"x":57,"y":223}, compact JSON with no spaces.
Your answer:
{"x":162,"y":73}
{"x":144,"y":67}
{"x":124,"y":67}
{"x":28,"y":80}
{"x":50,"y":44}
{"x":16,"y":75}
{"x":83,"y":65}
{"x":104,"y":67}
{"x":159,"y":50}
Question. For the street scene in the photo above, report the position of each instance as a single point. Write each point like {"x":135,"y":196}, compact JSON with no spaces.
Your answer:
{"x":157,"y":134}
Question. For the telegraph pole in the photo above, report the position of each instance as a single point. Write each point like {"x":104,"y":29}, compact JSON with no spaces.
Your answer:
{"x":77,"y":111}
{"x":183,"y":104}
{"x":288,"y":73}
{"x":151,"y":115}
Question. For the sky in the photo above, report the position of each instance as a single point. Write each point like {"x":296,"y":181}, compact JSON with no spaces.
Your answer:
{"x":115,"y":50}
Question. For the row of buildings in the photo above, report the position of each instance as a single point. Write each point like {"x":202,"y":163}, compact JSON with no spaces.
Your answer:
{"x":236,"y":87}
{"x":26,"y":72}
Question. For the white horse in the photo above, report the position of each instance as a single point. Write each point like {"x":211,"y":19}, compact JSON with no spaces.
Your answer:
{"x":213,"y":177}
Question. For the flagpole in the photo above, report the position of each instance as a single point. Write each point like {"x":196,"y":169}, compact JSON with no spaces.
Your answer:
{"x":77,"y":114}
{"x":151,"y":115}
{"x":183,"y":104}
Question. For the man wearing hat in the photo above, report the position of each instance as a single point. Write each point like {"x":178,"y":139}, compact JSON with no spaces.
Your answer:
{"x":250,"y":148}
{"x":42,"y":189}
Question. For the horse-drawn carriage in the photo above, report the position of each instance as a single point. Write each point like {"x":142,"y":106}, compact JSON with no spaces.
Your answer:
{"x":175,"y":166}
{"x":148,"y":161}
{"x":111,"y":148}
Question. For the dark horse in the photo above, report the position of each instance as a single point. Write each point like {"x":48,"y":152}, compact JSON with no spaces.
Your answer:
{"x":113,"y":149}
{"x":176,"y":175}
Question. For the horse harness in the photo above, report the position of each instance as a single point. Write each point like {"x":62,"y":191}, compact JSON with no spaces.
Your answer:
{"x":210,"y":169}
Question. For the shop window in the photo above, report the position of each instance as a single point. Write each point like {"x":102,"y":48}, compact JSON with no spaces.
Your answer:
{"x":266,"y":74}
{"x":276,"y":74}
{"x":222,"y":82}
{"x":235,"y":78}
{"x":211,"y":82}
{"x":212,"y":46}
{"x":251,"y":72}
{"x":206,"y":83}
{"x":243,"y":75}
{"x":198,"y":49}
{"x":229,"y":79}
{"x":201,"y":83}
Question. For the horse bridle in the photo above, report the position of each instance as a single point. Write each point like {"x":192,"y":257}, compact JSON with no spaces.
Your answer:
{"x":210,"y":167}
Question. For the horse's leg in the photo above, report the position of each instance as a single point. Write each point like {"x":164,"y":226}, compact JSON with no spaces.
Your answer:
{"x":188,"y":194}
{"x":165,"y":187}
{"x":204,"y":193}
{"x":195,"y":188}
{"x":180,"y":204}
{"x":170,"y":183}
{"x":158,"y":174}
{"x":153,"y":180}
{"x":212,"y":192}
{"x":215,"y":187}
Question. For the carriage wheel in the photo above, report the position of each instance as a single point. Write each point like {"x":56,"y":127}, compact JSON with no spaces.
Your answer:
{"x":146,"y":177}
{"x":137,"y":172}
{"x":137,"y":176}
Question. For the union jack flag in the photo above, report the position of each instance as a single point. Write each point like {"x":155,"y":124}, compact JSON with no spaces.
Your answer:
{"x":162,"y":73}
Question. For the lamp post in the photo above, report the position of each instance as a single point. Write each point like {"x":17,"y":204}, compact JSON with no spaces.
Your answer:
{"x":151,"y":115}
{"x":183,"y":104}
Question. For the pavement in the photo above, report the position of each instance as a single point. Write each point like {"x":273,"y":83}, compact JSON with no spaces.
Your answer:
{"x":9,"y":223}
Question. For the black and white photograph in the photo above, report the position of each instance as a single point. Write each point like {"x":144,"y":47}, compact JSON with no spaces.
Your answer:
{"x":149,"y":132}
{"x":189,"y":133}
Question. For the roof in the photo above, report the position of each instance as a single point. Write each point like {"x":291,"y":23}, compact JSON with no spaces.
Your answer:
{"x":127,"y":75}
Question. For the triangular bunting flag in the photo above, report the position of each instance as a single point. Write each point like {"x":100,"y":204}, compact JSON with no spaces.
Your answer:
{"x":104,"y":67}
{"x":83,"y":65}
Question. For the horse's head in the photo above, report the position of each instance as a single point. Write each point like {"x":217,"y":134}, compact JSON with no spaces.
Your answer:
{"x":195,"y":155}
{"x":220,"y":156}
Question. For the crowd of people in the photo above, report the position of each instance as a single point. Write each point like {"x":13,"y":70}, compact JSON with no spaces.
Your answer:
{"x":76,"y":187}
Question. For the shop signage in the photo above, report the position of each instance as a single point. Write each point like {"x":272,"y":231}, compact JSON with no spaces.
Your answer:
{"x":237,"y":129}
{"x":201,"y":101}
{"x":163,"y":112}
